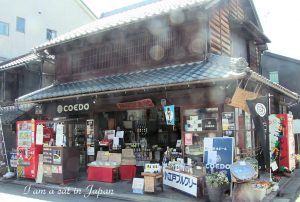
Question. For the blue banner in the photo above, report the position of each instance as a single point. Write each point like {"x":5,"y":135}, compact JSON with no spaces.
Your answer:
{"x":170,"y":114}
{"x":218,"y":154}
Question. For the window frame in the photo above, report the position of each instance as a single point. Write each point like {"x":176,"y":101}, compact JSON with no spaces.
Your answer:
{"x":2,"y":33}
{"x":22,"y":26}
{"x":274,"y":75}
{"x":50,"y":31}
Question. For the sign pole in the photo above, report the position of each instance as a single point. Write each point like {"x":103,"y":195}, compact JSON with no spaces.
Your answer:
{"x":268,"y":138}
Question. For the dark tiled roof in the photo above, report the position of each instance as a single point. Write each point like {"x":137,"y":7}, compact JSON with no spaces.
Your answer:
{"x":216,"y":68}
{"x":10,"y":113}
{"x":127,"y":17}
{"x":21,"y":60}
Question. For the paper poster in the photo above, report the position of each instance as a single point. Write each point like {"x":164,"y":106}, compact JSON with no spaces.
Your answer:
{"x":116,"y":140}
{"x":120,"y":134}
{"x":228,"y":124}
{"x":56,"y":156}
{"x":91,"y":151}
{"x":59,"y":135}
{"x":178,"y":143}
{"x":188,"y":139}
{"x":109,"y":134}
{"x":47,"y":171}
{"x":59,"y":169}
{"x":54,"y":169}
{"x":170,"y":114}
{"x":90,"y":127}
{"x":39,"y":134}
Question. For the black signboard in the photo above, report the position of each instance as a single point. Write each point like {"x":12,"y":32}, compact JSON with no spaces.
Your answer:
{"x":209,"y":124}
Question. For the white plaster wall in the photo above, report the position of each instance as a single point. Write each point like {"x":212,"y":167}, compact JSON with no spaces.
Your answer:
{"x":59,"y":15}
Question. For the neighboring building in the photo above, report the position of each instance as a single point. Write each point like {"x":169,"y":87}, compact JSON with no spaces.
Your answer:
{"x":20,"y":76}
{"x":25,"y":24}
{"x":284,"y":71}
{"x":191,"y":54}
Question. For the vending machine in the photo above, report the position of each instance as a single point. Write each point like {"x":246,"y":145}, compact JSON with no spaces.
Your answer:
{"x":282,"y":141}
{"x":31,"y":135}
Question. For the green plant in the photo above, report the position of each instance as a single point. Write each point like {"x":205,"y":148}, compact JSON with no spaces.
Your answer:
{"x":217,"y":179}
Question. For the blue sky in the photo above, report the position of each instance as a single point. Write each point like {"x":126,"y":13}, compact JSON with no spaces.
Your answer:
{"x":278,"y":18}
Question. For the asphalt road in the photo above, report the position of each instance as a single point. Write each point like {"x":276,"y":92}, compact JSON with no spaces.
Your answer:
{"x":18,"y":193}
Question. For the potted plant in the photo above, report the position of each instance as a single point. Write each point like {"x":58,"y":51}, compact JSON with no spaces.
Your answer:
{"x":215,"y":184}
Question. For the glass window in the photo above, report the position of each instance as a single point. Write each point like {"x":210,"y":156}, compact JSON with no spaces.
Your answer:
{"x":51,"y":34}
{"x":4,"y":28}
{"x":197,"y":124}
{"x":20,"y":25}
{"x":274,"y":77}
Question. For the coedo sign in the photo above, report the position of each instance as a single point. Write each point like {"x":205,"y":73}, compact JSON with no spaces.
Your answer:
{"x":73,"y":107}
{"x":218,"y":154}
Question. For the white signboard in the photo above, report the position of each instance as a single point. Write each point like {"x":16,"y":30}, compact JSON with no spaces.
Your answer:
{"x":120,"y":134}
{"x":183,"y":182}
{"x":39,"y":134}
{"x":138,"y":183}
{"x":59,"y":135}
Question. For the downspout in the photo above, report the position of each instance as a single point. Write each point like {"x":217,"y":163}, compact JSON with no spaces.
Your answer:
{"x":3,"y":86}
{"x":41,"y":73}
{"x":207,"y":34}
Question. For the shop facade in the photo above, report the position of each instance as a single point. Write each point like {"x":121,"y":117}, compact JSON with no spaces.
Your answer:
{"x":156,"y":85}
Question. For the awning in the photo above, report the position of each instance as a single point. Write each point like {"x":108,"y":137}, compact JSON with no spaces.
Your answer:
{"x":215,"y":68}
{"x":10,"y":113}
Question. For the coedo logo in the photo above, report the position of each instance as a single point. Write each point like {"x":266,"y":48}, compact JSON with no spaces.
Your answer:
{"x":260,"y":109}
{"x":75,"y":107}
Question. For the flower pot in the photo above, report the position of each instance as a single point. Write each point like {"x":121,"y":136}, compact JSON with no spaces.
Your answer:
{"x":215,"y":194}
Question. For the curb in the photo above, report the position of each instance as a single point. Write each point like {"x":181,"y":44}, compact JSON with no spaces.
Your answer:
{"x":284,"y":184}
{"x":57,"y":187}
{"x":117,"y":196}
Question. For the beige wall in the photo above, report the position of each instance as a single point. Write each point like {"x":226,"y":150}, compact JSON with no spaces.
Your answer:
{"x":59,"y":15}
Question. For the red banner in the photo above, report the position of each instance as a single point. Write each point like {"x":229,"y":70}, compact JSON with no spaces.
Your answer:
{"x":145,"y":103}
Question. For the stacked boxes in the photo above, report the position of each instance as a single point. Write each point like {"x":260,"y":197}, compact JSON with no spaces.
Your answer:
{"x":128,"y":157}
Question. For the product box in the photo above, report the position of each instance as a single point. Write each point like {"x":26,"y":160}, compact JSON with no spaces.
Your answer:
{"x":127,"y":153}
{"x":128,"y":161}
{"x":102,"y":156}
{"x":116,"y":157}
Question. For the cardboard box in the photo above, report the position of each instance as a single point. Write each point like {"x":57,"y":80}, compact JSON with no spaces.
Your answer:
{"x":102,"y":156}
{"x":116,"y":157}
{"x":128,"y":161}
{"x":127,"y":153}
{"x":149,"y":184}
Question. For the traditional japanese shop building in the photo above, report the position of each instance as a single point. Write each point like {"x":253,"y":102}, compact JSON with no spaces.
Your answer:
{"x":121,"y":69}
